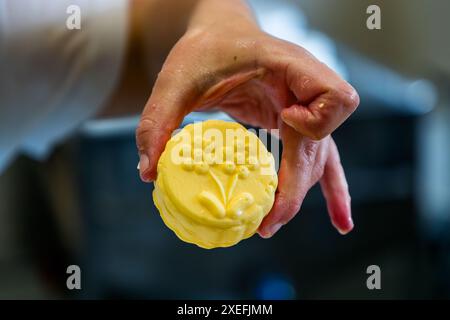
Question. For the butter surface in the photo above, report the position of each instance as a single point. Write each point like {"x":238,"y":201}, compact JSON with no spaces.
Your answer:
{"x":216,"y":182}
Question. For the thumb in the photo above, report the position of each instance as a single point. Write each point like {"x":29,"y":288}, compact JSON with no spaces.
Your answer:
{"x":162,"y":114}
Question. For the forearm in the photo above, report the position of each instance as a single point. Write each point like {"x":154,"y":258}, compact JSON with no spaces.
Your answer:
{"x":154,"y":28}
{"x":158,"y":24}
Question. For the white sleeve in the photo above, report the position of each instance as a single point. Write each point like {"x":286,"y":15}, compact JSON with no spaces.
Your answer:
{"x":53,"y":78}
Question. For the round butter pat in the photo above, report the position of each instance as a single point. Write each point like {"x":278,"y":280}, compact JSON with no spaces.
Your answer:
{"x":216,"y":182}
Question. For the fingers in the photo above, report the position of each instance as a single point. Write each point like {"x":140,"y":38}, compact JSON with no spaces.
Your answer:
{"x":163,"y":114}
{"x":300,"y":154}
{"x":325,"y":100}
{"x":335,"y":189}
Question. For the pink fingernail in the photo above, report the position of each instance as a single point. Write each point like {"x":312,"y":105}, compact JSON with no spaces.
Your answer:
{"x":275,"y":228}
{"x":263,"y":235}
{"x":266,"y":233}
{"x":143,"y":166}
{"x":348,"y":227}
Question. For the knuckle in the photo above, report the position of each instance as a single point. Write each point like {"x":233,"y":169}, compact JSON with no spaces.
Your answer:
{"x":197,"y":37}
{"x":343,"y":96}
{"x":319,"y":129}
{"x":318,"y":171}
{"x":145,"y":128}
{"x":146,"y":125}
{"x":290,"y":207}
{"x":320,"y":132}
{"x":165,"y":77}
{"x":347,"y":96}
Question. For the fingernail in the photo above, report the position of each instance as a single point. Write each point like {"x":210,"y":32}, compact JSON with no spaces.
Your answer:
{"x":143,"y":166}
{"x":275,"y":228}
{"x":288,"y":120}
{"x":269,"y":232}
{"x":348,"y":228}
{"x":283,"y":116}
{"x":263,"y":235}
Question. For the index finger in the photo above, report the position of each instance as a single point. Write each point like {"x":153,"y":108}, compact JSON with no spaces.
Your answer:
{"x":297,"y":174}
{"x":324,"y":100}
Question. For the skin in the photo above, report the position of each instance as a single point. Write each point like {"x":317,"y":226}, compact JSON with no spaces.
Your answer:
{"x":221,"y":59}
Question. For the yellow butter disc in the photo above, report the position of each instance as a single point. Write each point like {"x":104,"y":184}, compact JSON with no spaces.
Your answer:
{"x":216,"y":182}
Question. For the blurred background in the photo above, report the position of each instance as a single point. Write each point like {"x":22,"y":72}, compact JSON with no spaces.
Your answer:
{"x":85,"y":204}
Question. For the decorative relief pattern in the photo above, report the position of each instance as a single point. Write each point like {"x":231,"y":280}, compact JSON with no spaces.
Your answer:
{"x":226,"y":203}
{"x":211,"y":194}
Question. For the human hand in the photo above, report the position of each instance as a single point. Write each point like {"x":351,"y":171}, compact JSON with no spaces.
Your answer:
{"x":263,"y":81}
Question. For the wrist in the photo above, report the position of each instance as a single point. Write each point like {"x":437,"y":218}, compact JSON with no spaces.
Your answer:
{"x":218,"y":14}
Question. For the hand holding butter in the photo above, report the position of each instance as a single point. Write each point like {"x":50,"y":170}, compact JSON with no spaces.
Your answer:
{"x":216,"y":182}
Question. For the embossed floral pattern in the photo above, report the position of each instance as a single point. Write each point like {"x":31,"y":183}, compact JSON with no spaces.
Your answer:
{"x":235,"y":162}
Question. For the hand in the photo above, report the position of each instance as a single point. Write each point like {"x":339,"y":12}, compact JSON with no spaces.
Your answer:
{"x":304,"y":163}
{"x":262,"y":81}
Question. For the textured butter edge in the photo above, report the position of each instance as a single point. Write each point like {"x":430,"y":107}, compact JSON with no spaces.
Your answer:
{"x":163,"y":211}
{"x":162,"y":208}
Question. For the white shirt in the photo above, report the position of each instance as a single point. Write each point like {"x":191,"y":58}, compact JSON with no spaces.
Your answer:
{"x":53,"y":78}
